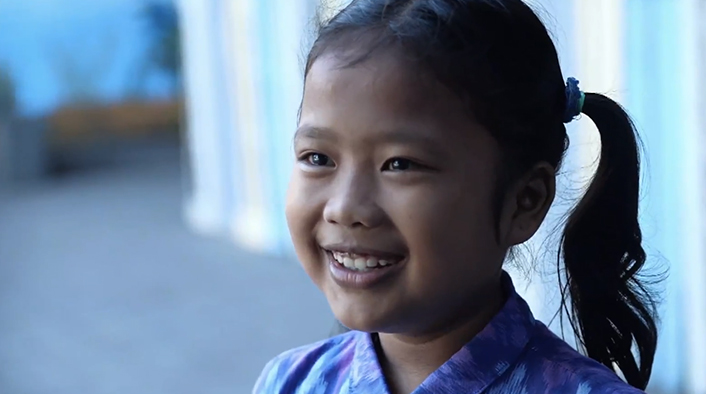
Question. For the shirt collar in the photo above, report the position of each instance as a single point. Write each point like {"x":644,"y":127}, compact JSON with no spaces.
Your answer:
{"x":487,"y":356}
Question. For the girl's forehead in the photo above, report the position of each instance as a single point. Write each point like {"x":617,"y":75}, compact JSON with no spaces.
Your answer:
{"x":383,"y":97}
{"x":381,"y":79}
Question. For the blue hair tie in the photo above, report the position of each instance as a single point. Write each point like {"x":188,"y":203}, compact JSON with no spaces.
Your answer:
{"x":574,"y":100}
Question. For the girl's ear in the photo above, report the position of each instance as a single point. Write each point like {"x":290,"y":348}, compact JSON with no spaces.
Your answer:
{"x":526,"y":204}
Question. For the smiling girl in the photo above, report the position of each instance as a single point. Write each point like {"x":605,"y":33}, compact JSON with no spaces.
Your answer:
{"x":430,"y":136}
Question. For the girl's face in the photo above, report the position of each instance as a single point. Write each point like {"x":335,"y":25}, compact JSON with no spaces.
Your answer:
{"x":390,"y":201}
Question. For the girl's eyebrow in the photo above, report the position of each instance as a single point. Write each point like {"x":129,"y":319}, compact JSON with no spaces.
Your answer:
{"x":314,"y":133}
{"x":397,"y":136}
{"x":410,"y":138}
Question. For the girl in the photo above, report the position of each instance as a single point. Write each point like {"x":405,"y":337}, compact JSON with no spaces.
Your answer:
{"x":430,"y":135}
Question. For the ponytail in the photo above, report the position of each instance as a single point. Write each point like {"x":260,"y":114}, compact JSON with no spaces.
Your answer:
{"x":611,"y":310}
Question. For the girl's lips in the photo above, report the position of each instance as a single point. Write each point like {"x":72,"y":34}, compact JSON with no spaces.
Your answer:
{"x":355,"y":279}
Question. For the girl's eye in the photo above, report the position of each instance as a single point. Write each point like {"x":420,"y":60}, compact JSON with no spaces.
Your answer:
{"x":317,"y":160}
{"x":398,"y":164}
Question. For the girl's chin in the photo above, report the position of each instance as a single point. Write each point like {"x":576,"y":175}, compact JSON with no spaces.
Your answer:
{"x":365,"y":321}
{"x":362,"y":310}
{"x":358,"y":322}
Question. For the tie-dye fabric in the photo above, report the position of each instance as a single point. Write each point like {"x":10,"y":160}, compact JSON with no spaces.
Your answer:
{"x":513,"y":354}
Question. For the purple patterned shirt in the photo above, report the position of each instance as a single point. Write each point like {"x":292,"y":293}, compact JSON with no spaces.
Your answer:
{"x":514,"y":354}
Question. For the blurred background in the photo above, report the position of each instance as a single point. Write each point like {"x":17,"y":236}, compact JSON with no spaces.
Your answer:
{"x":144,"y":155}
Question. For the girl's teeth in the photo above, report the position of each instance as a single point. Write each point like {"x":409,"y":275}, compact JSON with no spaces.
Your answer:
{"x":359,"y":263}
{"x":348,"y":262}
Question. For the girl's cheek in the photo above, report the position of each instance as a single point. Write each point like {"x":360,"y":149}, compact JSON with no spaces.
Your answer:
{"x":302,"y":208}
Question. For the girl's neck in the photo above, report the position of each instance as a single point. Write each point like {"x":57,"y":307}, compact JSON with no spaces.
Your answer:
{"x":407,"y":360}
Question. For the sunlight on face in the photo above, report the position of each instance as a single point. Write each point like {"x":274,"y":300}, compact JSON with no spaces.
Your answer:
{"x":390,"y":167}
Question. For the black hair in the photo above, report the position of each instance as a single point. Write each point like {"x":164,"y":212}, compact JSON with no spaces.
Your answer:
{"x":498,"y":57}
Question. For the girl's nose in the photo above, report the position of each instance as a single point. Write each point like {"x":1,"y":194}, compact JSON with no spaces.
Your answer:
{"x":352,"y":204}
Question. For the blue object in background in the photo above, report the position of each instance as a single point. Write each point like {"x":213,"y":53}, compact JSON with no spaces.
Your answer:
{"x":100,"y":47}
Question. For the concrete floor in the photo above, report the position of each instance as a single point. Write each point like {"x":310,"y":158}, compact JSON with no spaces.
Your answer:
{"x":104,"y":290}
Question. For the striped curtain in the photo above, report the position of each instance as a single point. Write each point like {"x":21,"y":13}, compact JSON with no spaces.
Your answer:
{"x":243,"y":78}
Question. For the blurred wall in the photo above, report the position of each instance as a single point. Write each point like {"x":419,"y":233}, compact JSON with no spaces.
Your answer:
{"x":243,"y":76}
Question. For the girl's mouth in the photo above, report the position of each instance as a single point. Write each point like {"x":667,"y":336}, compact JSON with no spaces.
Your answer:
{"x":362,"y":271}
{"x":358,"y":262}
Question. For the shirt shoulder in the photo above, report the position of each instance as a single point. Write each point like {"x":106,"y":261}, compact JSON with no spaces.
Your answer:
{"x":551,"y":365}
{"x":314,"y":368}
